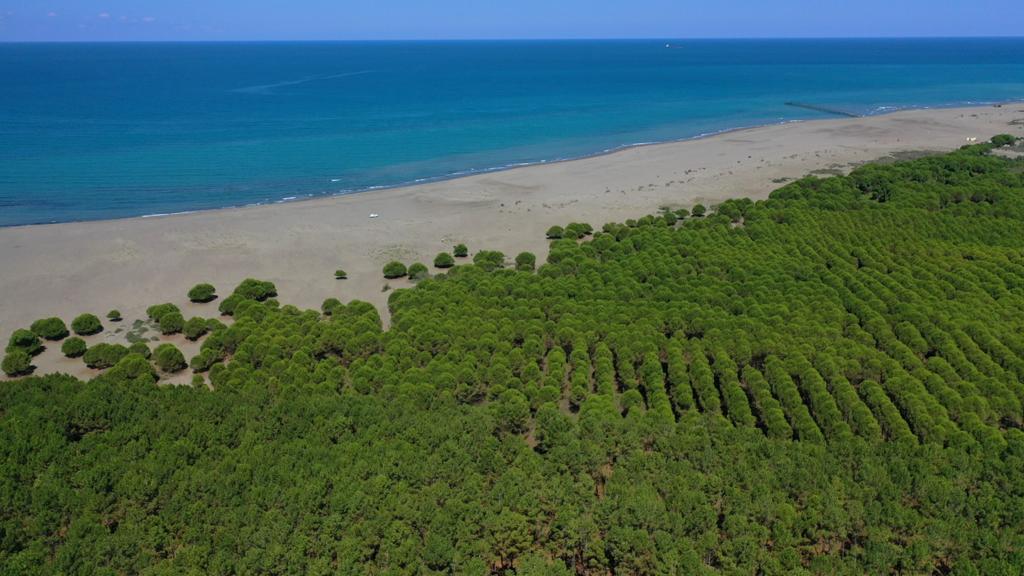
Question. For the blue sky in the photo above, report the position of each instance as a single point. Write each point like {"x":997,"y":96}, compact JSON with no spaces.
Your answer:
{"x":30,"y":20}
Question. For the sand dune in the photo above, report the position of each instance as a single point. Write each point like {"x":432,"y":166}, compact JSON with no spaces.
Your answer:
{"x":67,"y":269}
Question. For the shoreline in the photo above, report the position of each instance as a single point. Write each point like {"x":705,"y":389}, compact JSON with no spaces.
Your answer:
{"x":129,"y":264}
{"x":881,"y":111}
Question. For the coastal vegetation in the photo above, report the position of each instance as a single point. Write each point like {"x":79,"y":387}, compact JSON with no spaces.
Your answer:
{"x":17,"y":363}
{"x":460,"y":251}
{"x":444,"y":260}
{"x":202,"y":293}
{"x":395,"y":269}
{"x":104,"y":355}
{"x":418,"y":271}
{"x":86,"y":325}
{"x":73,"y":347}
{"x":171,"y":323}
{"x":26,"y":341}
{"x":168,"y":358}
{"x":50,"y":329}
{"x":829,"y":381}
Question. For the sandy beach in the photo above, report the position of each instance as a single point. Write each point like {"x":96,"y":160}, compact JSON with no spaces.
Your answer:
{"x":67,"y":269}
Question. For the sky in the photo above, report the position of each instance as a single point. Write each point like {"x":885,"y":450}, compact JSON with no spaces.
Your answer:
{"x":162,"y":20}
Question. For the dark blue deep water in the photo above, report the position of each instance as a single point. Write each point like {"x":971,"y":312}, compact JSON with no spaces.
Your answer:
{"x":92,"y":131}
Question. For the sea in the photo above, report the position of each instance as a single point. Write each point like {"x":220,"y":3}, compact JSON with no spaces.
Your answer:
{"x":113,"y":130}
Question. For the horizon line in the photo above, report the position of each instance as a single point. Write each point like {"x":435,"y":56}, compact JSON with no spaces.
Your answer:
{"x":501,"y":39}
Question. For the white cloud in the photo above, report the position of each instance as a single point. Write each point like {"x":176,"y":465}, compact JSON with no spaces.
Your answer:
{"x":51,"y":14}
{"x":103,"y":15}
{"x":148,"y":19}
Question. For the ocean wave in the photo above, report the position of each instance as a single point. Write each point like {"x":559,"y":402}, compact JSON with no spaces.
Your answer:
{"x":269,"y":88}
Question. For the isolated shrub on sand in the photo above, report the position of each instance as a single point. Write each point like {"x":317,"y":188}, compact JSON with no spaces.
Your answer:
{"x":489,"y":260}
{"x":50,"y":328}
{"x":86,"y":324}
{"x":202,"y":293}
{"x":26,"y":341}
{"x":17,"y":363}
{"x":158,"y":311}
{"x":394,"y":270}
{"x":460,"y":251}
{"x":168,"y":358}
{"x":171,"y":323}
{"x":444,"y":260}
{"x":526,"y":262}
{"x":418,"y":271}
{"x":114,"y":315}
{"x":195,"y":328}
{"x":555,"y":233}
{"x":74,"y":347}
{"x":104,"y":355}
{"x":698,"y":210}
{"x":682,"y":214}
{"x":340,"y":274}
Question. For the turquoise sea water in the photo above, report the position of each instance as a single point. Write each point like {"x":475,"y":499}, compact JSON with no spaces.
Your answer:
{"x":91,"y":131}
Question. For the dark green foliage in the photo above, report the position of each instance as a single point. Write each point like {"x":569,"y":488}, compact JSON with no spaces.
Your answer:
{"x":555,"y":232}
{"x":460,"y":251}
{"x":73,"y":347}
{"x":114,"y":315}
{"x":17,"y":363}
{"x":512,"y":411}
{"x":158,"y":311}
{"x":140,"y":348}
{"x":227,"y":306}
{"x":258,"y":290}
{"x":418,"y":271}
{"x":168,"y":358}
{"x":204,"y":360}
{"x":86,"y":325}
{"x":195,"y":328}
{"x":578,"y":230}
{"x":340,"y":274}
{"x":171,"y":323}
{"x":104,"y":355}
{"x":526,"y":262}
{"x":395,"y":269}
{"x":202,"y":293}
{"x":698,"y":210}
{"x":1001,"y":140}
{"x":444,"y":260}
{"x":489,"y":260}
{"x":330,"y":305}
{"x":249,"y":290}
{"x":26,"y":341}
{"x":132,"y":369}
{"x":834,"y":387}
{"x":50,"y":328}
